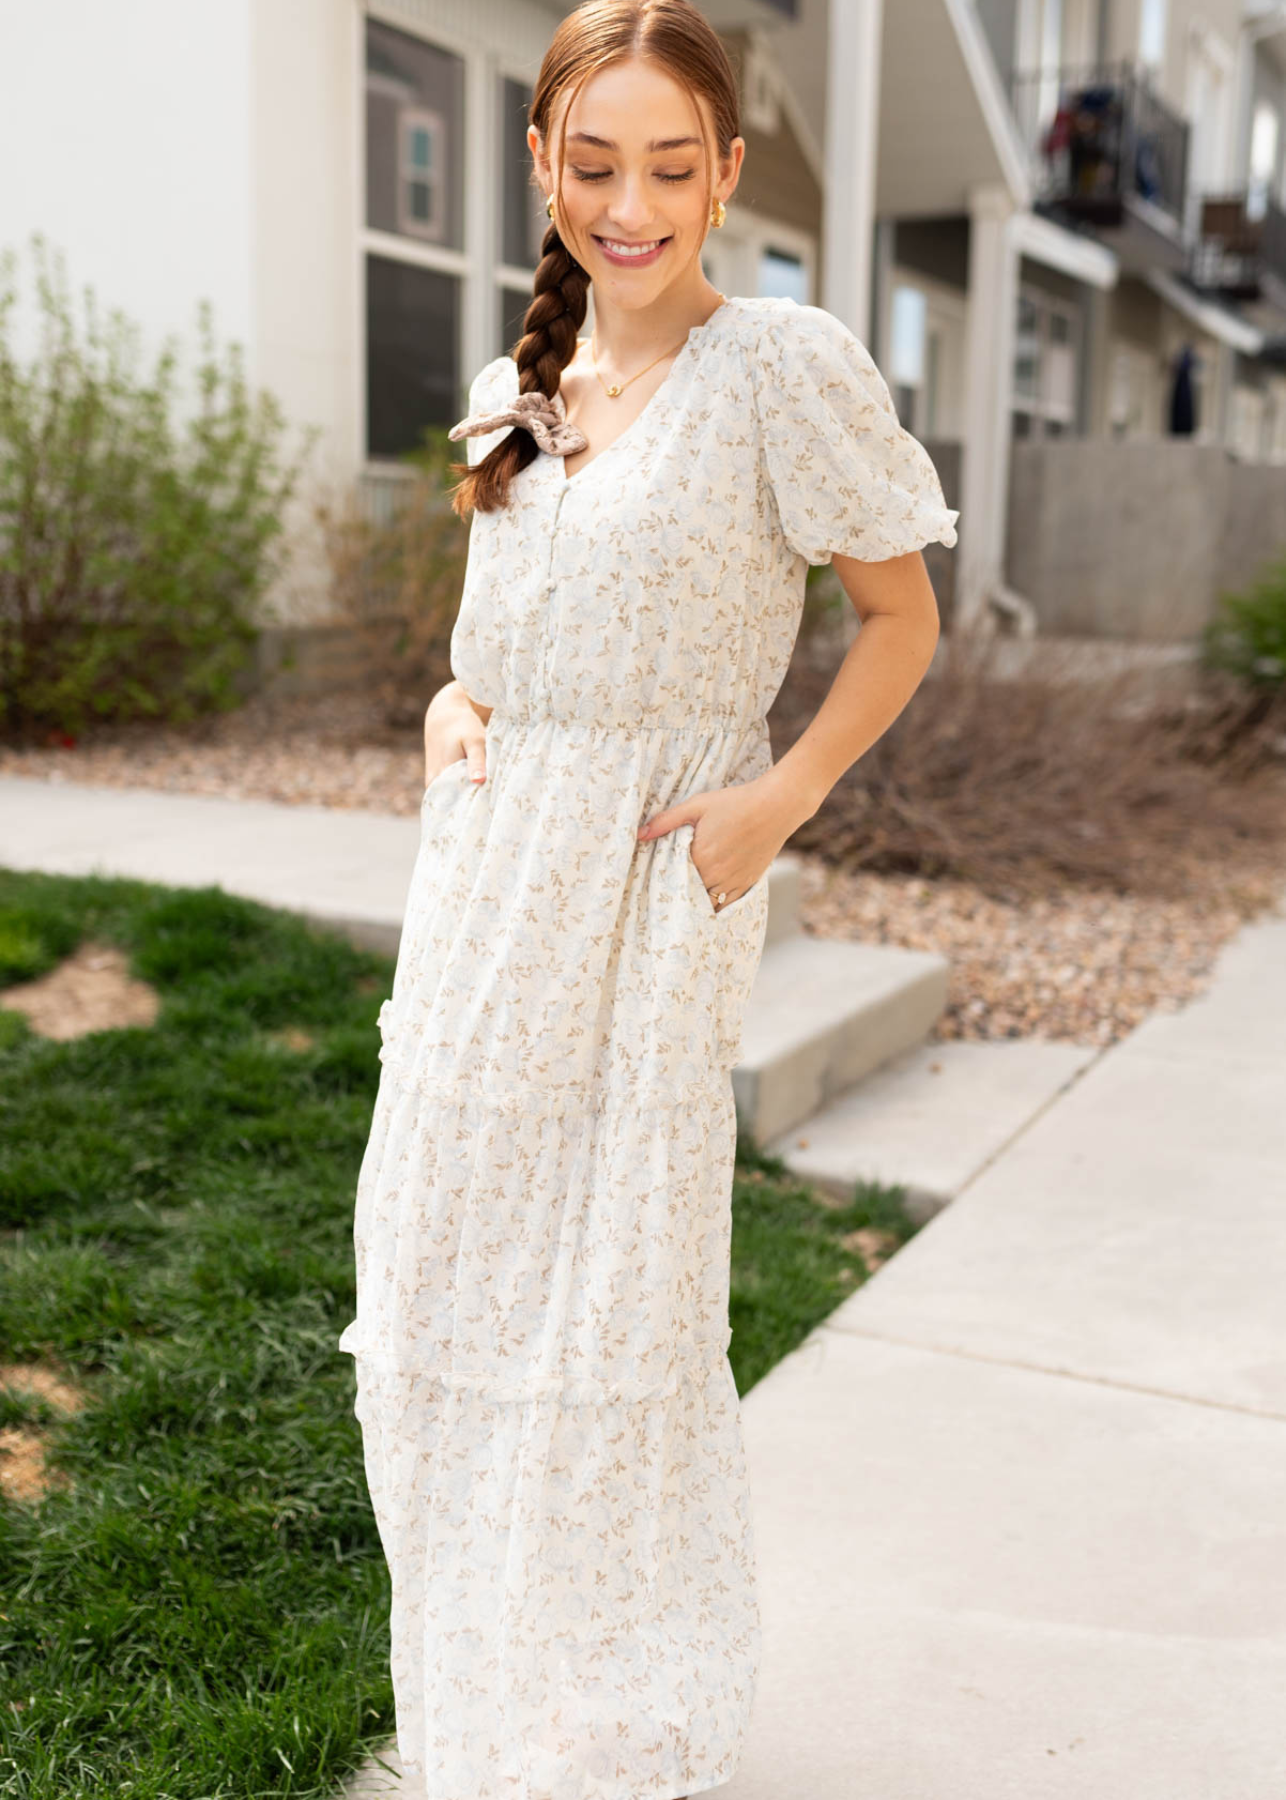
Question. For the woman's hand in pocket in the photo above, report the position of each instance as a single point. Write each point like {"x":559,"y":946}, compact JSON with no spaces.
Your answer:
{"x":737,"y":831}
{"x":453,"y":728}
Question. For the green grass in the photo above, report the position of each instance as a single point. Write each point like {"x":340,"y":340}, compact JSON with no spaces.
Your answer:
{"x":790,"y":1267}
{"x":202,"y":1609}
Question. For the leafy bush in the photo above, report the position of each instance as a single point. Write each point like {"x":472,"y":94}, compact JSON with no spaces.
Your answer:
{"x":134,"y":547}
{"x":396,"y":552}
{"x":1247,"y":636}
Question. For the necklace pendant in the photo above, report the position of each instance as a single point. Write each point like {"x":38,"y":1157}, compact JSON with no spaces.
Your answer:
{"x":614,"y":391}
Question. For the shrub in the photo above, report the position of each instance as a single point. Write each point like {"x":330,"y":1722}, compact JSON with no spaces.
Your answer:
{"x":134,"y":548}
{"x":1247,"y":636}
{"x":395,"y":554}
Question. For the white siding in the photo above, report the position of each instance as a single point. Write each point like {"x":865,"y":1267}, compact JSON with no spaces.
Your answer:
{"x":124,"y":131}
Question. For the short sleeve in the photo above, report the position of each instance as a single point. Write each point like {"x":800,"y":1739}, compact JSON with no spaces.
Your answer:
{"x":493,"y":386}
{"x":846,"y":475}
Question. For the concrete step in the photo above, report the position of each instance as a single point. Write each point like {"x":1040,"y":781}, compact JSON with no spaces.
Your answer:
{"x":823,"y":1014}
{"x":931,"y":1118}
{"x":783,"y":896}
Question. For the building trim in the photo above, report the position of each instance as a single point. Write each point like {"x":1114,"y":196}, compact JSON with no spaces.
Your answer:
{"x":997,"y":114}
{"x":1212,"y":319}
{"x":1080,"y":257}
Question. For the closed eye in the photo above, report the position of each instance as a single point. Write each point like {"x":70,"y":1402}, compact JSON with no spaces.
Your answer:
{"x":602,"y":175}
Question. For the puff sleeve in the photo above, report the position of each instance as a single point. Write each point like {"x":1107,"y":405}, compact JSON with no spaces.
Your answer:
{"x":494,"y":386}
{"x":846,"y":475}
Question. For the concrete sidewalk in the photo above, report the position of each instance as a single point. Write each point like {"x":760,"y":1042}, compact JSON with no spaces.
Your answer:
{"x":1020,"y":1502}
{"x":350,"y":870}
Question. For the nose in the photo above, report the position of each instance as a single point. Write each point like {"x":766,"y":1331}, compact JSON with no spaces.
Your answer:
{"x":629,"y":209}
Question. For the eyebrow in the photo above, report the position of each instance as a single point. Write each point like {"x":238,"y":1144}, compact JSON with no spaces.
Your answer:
{"x":587,"y":137}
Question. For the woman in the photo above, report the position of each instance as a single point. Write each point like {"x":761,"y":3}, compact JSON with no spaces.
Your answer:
{"x":552,"y":1433}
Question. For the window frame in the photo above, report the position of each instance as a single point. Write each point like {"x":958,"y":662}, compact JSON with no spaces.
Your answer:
{"x":1037,"y":409}
{"x":475,"y":264}
{"x":428,"y":119}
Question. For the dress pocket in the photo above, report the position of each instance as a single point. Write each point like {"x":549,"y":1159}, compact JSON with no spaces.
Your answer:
{"x":751,"y":901}
{"x":734,"y":938}
{"x":460,"y":764}
{"x":437,"y":797}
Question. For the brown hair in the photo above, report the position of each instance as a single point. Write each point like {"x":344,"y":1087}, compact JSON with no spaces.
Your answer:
{"x":677,"y":38}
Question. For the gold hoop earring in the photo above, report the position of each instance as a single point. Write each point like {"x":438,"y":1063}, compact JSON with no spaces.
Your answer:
{"x":549,"y":205}
{"x":718,"y":213}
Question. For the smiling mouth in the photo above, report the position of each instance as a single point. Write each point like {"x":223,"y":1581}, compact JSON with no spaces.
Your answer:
{"x":618,"y":248}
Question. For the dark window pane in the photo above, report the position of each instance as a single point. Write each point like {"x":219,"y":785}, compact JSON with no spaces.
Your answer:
{"x":513,"y":310}
{"x":782,"y":275}
{"x":414,"y":138}
{"x":523,"y":220}
{"x":412,"y":353}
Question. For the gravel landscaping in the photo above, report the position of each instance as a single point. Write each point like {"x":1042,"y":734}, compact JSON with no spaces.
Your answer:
{"x":1078,"y":964}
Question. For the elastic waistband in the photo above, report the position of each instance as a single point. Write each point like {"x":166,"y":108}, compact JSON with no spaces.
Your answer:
{"x":703,"y":726}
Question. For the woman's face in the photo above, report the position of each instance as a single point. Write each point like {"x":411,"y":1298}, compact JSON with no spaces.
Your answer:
{"x":634,"y":174}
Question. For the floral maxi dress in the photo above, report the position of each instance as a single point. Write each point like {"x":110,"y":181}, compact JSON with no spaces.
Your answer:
{"x":551,"y":1430}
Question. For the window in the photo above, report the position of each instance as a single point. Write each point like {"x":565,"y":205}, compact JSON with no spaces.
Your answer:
{"x":1129,"y":392}
{"x":521,"y":212}
{"x":412,"y":333}
{"x":1046,"y":364}
{"x":1152,"y":30}
{"x":782,"y":276}
{"x":513,"y":310}
{"x":1265,"y":141}
{"x":906,"y":371}
{"x":421,"y":207}
{"x":414,"y":238}
{"x":414,"y":137}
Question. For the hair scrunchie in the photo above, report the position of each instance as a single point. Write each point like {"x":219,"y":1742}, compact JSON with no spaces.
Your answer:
{"x":545,"y":417}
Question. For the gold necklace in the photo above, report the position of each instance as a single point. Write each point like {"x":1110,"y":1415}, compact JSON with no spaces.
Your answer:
{"x":620,"y":386}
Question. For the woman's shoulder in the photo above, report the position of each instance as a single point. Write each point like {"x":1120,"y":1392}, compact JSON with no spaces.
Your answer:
{"x":804,"y":361}
{"x":775,"y":323}
{"x":494,"y":378}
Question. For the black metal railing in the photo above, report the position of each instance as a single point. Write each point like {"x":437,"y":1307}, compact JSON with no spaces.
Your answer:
{"x":1097,"y":135}
{"x":1237,"y":253}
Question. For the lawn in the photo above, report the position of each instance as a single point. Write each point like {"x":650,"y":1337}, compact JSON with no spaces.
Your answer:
{"x":193,"y":1600}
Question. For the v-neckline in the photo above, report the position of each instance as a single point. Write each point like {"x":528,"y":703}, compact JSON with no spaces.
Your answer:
{"x":690,"y":343}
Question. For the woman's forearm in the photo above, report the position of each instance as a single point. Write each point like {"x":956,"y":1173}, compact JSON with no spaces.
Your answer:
{"x":456,"y":692}
{"x":882,"y":668}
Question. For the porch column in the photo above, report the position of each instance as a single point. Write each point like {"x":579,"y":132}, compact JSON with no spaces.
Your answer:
{"x":854,"y":29}
{"x":989,"y":363}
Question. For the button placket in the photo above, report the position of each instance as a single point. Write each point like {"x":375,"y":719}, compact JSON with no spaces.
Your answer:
{"x":544,"y":622}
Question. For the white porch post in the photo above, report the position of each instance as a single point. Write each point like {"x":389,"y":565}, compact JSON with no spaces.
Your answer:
{"x":884,"y":241}
{"x":852,"y":124}
{"x":989,"y":362}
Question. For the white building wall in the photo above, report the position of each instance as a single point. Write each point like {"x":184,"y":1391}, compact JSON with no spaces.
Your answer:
{"x":305,"y":217}
{"x":124,"y":137}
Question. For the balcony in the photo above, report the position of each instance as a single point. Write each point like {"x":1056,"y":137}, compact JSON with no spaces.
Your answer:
{"x":1242,"y":258}
{"x":1107,"y":154}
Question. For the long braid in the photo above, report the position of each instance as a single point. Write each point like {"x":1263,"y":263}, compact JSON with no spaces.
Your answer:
{"x":675,"y":36}
{"x":550,"y":329}
{"x":551,"y":324}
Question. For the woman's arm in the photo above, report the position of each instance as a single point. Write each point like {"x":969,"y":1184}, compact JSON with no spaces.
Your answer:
{"x":454,"y":727}
{"x":740,"y":829}
{"x":882,"y":668}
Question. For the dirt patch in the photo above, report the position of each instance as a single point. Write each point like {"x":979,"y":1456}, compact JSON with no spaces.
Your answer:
{"x":24,"y":1474}
{"x":873,"y":1246}
{"x":91,"y":990}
